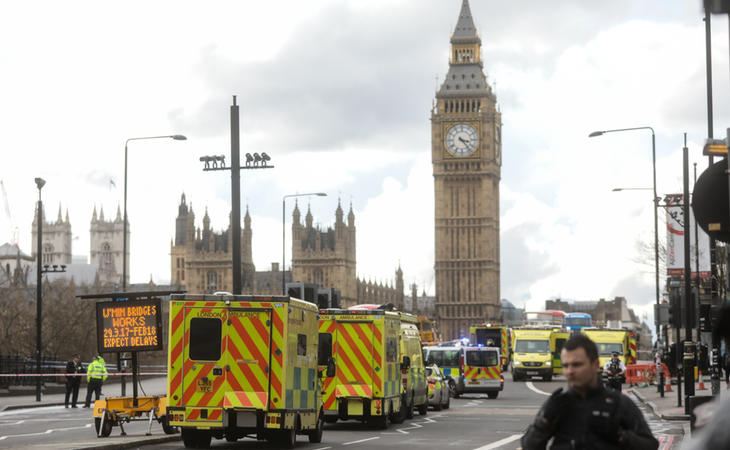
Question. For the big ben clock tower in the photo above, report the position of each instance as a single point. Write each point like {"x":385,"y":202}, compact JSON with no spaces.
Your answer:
{"x":466,"y":154}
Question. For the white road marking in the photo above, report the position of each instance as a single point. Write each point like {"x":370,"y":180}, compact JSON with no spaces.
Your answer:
{"x":322,"y":448}
{"x":88,"y":425}
{"x":361,"y":440}
{"x":500,"y":443}
{"x":534,"y":389}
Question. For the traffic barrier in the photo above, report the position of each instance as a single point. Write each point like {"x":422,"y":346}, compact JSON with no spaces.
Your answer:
{"x":114,"y":374}
{"x":644,"y":373}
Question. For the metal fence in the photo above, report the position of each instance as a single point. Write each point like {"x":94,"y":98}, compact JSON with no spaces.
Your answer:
{"x":13,"y":364}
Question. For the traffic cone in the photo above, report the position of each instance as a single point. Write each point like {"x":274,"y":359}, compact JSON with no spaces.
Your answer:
{"x":701,"y":386}
{"x":668,"y":387}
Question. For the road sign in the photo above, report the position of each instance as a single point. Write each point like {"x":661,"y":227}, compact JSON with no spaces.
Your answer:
{"x":710,"y":201}
{"x":130,"y":326}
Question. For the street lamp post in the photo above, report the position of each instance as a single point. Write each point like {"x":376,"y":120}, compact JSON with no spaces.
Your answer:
{"x":253,"y":162}
{"x":40,"y":270}
{"x":656,"y":200}
{"x":177,"y":137}
{"x":283,"y":234}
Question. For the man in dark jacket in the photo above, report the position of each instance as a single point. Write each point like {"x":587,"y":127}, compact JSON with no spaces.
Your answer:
{"x":586,"y":415}
{"x":73,"y":366}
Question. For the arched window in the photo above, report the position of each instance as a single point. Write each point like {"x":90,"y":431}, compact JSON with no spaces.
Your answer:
{"x":106,"y":255}
{"x":47,"y":253}
{"x":212,"y":281}
{"x":318,"y":277}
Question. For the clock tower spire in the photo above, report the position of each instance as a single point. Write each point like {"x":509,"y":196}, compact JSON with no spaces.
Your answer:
{"x":466,"y":157}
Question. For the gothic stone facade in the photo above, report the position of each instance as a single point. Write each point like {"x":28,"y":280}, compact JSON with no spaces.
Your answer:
{"x":107,"y":243}
{"x":328,"y":258}
{"x":466,"y":156}
{"x":56,"y":245}
{"x":201,"y":259}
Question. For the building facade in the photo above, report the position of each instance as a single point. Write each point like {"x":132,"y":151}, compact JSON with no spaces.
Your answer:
{"x":327,"y":257}
{"x":56,"y":245}
{"x":466,"y":156}
{"x":201,"y":258}
{"x":107,"y":246}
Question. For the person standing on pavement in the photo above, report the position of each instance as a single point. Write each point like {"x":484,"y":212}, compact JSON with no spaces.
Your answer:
{"x":96,"y":375}
{"x":616,"y":372}
{"x":587,"y":415}
{"x":74,"y":369}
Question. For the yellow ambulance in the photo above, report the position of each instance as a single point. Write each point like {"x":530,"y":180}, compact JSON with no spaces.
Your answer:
{"x":531,"y":353}
{"x":243,"y":366}
{"x":609,"y":341}
{"x":413,"y":368}
{"x":366,"y":385}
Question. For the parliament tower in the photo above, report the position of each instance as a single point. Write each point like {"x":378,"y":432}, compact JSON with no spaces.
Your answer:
{"x":466,"y":154}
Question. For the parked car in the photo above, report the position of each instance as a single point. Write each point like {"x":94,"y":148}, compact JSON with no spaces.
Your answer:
{"x":438,"y":390}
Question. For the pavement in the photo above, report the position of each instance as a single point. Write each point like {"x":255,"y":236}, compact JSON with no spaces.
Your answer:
{"x":136,"y":431}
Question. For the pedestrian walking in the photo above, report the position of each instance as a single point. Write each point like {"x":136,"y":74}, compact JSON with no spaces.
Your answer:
{"x":96,"y":375}
{"x":587,"y":415}
{"x":74,"y":369}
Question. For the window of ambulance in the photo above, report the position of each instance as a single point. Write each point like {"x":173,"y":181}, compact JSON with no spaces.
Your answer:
{"x":205,"y":339}
{"x":325,"y":349}
{"x":606,"y":349}
{"x":532,"y":346}
{"x":481,"y":358}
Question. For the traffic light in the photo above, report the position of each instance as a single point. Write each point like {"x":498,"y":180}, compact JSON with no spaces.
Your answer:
{"x":675,"y":308}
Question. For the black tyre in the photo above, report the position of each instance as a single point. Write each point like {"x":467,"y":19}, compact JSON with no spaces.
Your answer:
{"x":493,"y":394}
{"x":548,"y":377}
{"x":315,"y":436}
{"x":400,"y":415}
{"x":165,"y":422}
{"x":107,"y":427}
{"x":447,"y":405}
{"x":409,"y":409}
{"x":452,"y":388}
{"x":202,"y":439}
{"x":287,"y":438}
{"x":437,"y":407}
{"x":423,"y":409}
{"x":189,"y":438}
{"x":330,"y":419}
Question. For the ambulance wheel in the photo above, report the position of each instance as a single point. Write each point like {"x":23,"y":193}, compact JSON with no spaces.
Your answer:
{"x":493,"y":394}
{"x":423,"y":409}
{"x":448,"y":403}
{"x":203,"y":439}
{"x":165,"y":422}
{"x":400,"y":415}
{"x":330,"y":419}
{"x":547,"y":377}
{"x":452,"y":388}
{"x":106,"y":430}
{"x":409,"y":409}
{"x":315,"y":436}
{"x":287,"y":438}
{"x":437,"y":407}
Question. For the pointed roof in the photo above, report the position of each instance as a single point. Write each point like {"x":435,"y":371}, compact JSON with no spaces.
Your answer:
{"x":465,"y":31}
{"x":67,"y":215}
{"x":60,"y":217}
{"x":119,"y":215}
{"x":93,"y":217}
{"x":101,"y":213}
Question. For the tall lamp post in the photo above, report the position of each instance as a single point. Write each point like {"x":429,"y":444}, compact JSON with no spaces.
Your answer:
{"x":177,"y":137}
{"x":656,"y":200}
{"x":40,"y":270}
{"x":283,"y":234}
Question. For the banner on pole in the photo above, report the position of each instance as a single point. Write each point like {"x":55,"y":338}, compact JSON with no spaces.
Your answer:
{"x":675,"y":241}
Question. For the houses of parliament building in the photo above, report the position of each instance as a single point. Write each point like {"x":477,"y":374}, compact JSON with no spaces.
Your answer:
{"x":201,"y":259}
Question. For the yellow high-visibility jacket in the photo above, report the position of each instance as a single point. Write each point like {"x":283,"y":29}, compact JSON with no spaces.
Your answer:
{"x":96,"y":370}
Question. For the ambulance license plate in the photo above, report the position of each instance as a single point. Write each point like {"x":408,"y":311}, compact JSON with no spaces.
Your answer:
{"x":533,"y":372}
{"x":474,"y":382}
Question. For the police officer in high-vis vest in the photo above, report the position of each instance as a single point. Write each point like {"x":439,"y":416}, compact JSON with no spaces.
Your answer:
{"x":96,"y":375}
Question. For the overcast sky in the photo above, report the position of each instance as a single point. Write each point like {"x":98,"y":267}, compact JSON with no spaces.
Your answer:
{"x":339,"y":94}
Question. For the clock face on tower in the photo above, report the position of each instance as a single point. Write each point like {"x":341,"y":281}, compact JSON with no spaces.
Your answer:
{"x":462,"y":140}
